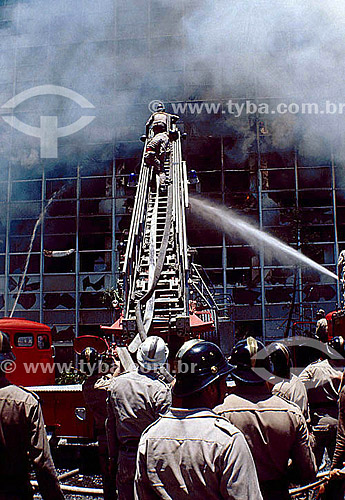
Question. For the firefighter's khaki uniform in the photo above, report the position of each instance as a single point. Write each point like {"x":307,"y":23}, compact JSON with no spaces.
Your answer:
{"x":194,"y":454}
{"x":295,"y":391}
{"x":156,"y":151}
{"x":339,"y":453}
{"x":160,"y":119}
{"x":23,"y":439}
{"x":322,"y":381}
{"x":275,"y":431}
{"x":95,"y":394}
{"x":135,"y":401}
{"x":335,"y":489}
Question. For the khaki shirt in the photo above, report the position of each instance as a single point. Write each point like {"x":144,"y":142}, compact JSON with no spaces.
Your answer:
{"x":135,"y":400}
{"x":295,"y":391}
{"x":159,"y":144}
{"x":161,"y":118}
{"x":339,"y":453}
{"x":321,"y":330}
{"x":194,"y":455}
{"x":95,"y":390}
{"x":275,"y":430}
{"x":322,"y":382}
{"x":23,"y":438}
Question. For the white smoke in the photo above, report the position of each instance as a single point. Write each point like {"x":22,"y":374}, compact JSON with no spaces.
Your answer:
{"x":210,"y":49}
{"x":287,"y":51}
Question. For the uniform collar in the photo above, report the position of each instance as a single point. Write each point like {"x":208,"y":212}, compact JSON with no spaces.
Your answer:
{"x":189,"y":413}
{"x":251,"y":389}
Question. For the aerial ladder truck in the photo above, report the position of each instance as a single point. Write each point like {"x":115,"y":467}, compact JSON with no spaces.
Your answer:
{"x":163,"y":292}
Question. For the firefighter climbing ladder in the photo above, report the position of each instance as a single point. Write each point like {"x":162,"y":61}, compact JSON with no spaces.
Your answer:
{"x":155,"y":268}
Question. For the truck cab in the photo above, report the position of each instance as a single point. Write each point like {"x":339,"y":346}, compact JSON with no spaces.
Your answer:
{"x":32,"y":346}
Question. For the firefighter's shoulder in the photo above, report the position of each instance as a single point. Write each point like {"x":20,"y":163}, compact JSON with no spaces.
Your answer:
{"x":120,"y":377}
{"x":23,"y":393}
{"x":224,"y":425}
{"x":312,"y":365}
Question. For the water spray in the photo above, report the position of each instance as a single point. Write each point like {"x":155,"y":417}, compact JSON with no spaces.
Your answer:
{"x":228,"y":221}
{"x":33,"y":236}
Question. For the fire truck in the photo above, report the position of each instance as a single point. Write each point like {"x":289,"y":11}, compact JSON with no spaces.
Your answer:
{"x":63,"y":406}
{"x":336,"y":323}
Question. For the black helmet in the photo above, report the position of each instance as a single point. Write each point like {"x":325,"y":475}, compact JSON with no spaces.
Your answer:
{"x":338,"y":344}
{"x":281,"y":359}
{"x":199,"y":363}
{"x":246,"y":355}
{"x":90,"y":358}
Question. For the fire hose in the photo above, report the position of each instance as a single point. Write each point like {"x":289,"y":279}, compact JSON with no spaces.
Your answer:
{"x":158,"y":268}
{"x":73,"y":489}
{"x":322,"y":478}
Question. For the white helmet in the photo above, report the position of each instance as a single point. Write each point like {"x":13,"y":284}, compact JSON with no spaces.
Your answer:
{"x":152,"y":353}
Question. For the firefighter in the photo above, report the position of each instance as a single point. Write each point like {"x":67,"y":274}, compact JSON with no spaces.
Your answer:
{"x":291,"y":387}
{"x":191,"y":452}
{"x":321,"y":330}
{"x":135,"y":400}
{"x":322,"y":380}
{"x":339,"y":453}
{"x":275,"y":429}
{"x":341,"y":273}
{"x":160,"y":121}
{"x":23,"y":439}
{"x":335,"y":489}
{"x":96,"y":401}
{"x":156,"y":152}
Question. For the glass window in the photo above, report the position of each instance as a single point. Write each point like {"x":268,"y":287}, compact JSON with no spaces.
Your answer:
{"x":17,"y":263}
{"x":26,"y":190}
{"x":95,"y":187}
{"x":66,"y":188}
{"x":23,"y":340}
{"x":43,"y":341}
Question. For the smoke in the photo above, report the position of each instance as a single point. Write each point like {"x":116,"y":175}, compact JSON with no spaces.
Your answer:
{"x":122,"y":55}
{"x":285,"y":51}
{"x":85,"y":46}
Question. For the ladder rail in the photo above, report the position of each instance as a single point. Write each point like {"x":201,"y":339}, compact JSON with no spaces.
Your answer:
{"x":138,"y":216}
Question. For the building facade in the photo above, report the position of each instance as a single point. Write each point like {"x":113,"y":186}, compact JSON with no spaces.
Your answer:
{"x":120,"y":57}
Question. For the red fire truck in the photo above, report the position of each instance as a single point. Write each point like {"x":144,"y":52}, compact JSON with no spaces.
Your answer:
{"x":63,"y":406}
{"x":336,"y":323}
